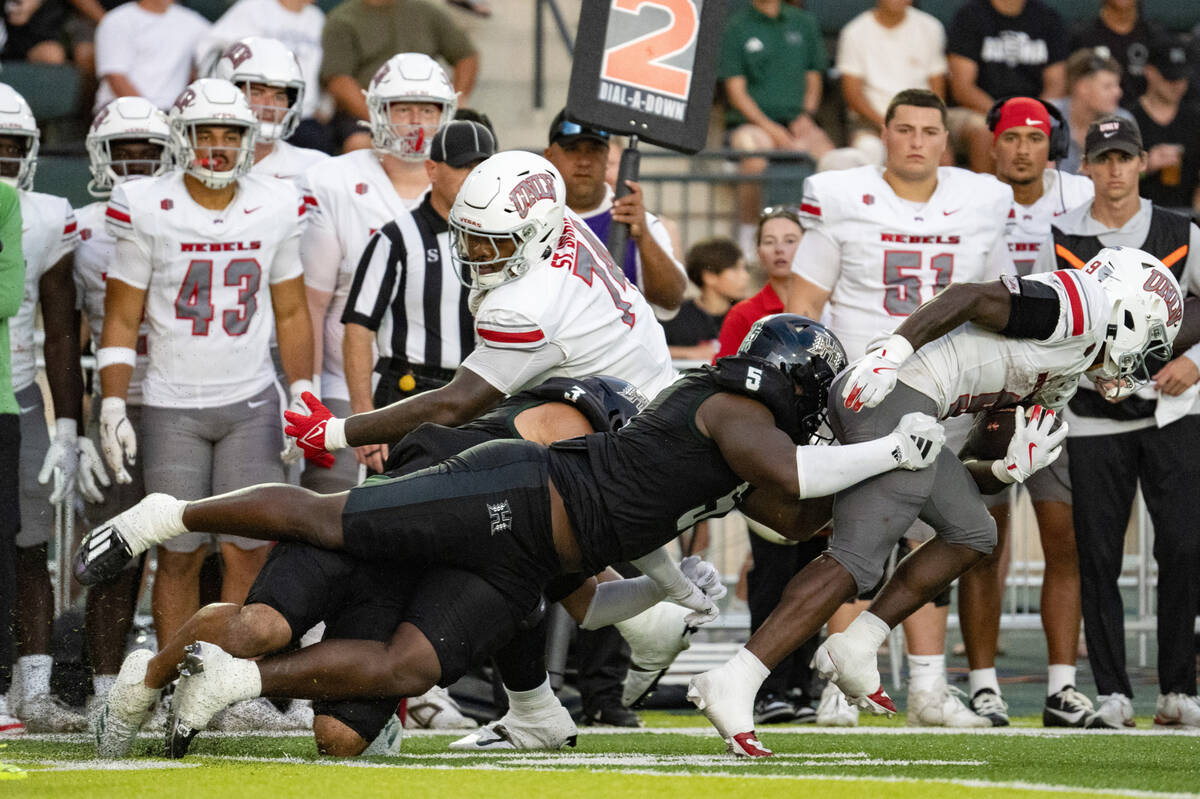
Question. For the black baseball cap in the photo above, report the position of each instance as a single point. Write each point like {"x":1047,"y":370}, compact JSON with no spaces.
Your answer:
{"x":563,"y":129}
{"x":462,"y":143}
{"x":1112,"y":132}
{"x":1169,"y":56}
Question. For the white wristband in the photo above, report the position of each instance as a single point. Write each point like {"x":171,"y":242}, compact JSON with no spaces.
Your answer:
{"x":112,"y":406}
{"x":299,"y":387}
{"x":896,"y":349}
{"x":335,"y":435}
{"x":66,"y":429}
{"x":1002,"y":474}
{"x":110,"y":356}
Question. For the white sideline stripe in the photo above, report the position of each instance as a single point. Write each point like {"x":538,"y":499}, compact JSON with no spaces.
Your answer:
{"x":32,"y":766}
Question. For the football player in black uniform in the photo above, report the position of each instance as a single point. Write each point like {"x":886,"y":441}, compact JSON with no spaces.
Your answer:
{"x":512,"y":515}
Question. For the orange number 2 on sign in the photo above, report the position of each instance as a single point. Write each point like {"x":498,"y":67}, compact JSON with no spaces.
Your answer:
{"x":638,"y":62}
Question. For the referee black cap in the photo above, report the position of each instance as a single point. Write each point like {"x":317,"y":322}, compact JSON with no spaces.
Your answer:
{"x":462,"y":143}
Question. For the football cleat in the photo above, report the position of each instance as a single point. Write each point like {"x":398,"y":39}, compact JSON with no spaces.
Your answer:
{"x":987,"y":704}
{"x":1070,"y":708}
{"x":1177,"y":710}
{"x":125,"y":708}
{"x":251,"y":715}
{"x":941,"y":707}
{"x":771,"y":708}
{"x":10,"y":726}
{"x":552,"y":730}
{"x":106,"y":550}
{"x":613,"y":714}
{"x":1115,"y":712}
{"x":729,"y":706}
{"x":436,"y":710}
{"x":855,"y":671}
{"x":834,"y":710}
{"x":655,"y":636}
{"x":211,"y":679}
{"x":387,"y":743}
{"x":45,"y":713}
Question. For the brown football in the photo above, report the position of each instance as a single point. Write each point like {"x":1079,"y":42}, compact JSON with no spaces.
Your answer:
{"x":989,"y":436}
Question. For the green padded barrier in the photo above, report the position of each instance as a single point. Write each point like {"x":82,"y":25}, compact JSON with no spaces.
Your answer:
{"x":64,"y":176}
{"x":52,"y":90}
{"x":209,"y":9}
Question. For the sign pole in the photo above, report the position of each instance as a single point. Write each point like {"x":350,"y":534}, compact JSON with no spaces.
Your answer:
{"x":618,"y":235}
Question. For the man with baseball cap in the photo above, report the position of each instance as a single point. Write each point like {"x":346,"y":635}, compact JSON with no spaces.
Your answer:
{"x":580,"y":153}
{"x":1170,"y":127}
{"x":1151,"y":438}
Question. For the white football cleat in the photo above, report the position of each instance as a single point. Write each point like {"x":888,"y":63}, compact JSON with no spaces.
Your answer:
{"x":1115,"y":712}
{"x":210,"y":680}
{"x":436,"y":710}
{"x":129,"y":701}
{"x":1177,"y":710}
{"x":728,"y":704}
{"x":299,"y":716}
{"x":942,"y":707}
{"x":855,"y":670}
{"x":251,"y":715}
{"x":655,"y":636}
{"x":834,"y":710}
{"x":45,"y":713}
{"x":387,"y":743}
{"x":551,"y":730}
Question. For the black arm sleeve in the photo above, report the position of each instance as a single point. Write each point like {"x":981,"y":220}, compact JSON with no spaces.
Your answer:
{"x":1034,"y":309}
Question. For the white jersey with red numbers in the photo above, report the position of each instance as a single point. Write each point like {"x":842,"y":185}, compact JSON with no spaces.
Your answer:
{"x":349,"y":197}
{"x":48,"y":232}
{"x":970,"y":369}
{"x":881,"y":256}
{"x":207,"y":276}
{"x":1029,"y":232}
{"x":572,"y":317}
{"x":93,"y":256}
{"x":288,"y":162}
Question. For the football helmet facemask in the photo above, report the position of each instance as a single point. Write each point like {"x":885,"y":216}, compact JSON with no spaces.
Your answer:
{"x":266,"y":62}
{"x":408,"y":78}
{"x":126,"y":119}
{"x":212,"y":102}
{"x":16,"y":120}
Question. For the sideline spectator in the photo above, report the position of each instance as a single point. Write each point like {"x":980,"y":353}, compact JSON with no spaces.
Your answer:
{"x":12,"y":286}
{"x":776,"y":238}
{"x":998,"y":49}
{"x":145,"y":49}
{"x":1150,"y":438}
{"x":1170,"y":126}
{"x":880,"y":53}
{"x":35,"y":30}
{"x":771,"y":64}
{"x":360,"y":35}
{"x":1094,"y":89}
{"x":1126,"y":35}
{"x":717,"y":268}
{"x":580,"y":154}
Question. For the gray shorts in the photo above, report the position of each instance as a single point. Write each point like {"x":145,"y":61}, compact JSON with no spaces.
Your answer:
{"x":37,"y":514}
{"x":194,"y":453}
{"x":1052,"y":484}
{"x":344,"y":474}
{"x":870,"y":518}
{"x":118,"y":497}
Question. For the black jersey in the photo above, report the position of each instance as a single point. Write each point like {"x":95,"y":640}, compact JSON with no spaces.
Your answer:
{"x":628,"y":493}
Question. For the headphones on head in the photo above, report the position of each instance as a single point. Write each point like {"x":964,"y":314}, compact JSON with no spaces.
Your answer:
{"x":1060,"y":131}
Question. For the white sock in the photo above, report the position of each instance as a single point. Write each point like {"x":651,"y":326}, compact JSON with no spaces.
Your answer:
{"x":35,"y":675}
{"x":102,"y":684}
{"x":748,"y":667}
{"x":983,"y":678}
{"x":1060,"y":675}
{"x":870,"y":629}
{"x":533,"y":700}
{"x":3,"y":704}
{"x":926,"y":672}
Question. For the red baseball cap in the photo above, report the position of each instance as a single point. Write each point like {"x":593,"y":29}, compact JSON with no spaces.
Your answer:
{"x":1022,"y":112}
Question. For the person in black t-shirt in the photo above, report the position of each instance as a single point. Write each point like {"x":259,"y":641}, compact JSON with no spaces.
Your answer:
{"x":1124,"y":34}
{"x":1001,"y":48}
{"x":1170,"y":128}
{"x":717,"y":268}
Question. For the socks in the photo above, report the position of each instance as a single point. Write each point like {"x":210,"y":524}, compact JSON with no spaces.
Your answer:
{"x":533,"y":700}
{"x":749,"y":667}
{"x":983,"y":678}
{"x":35,"y":675}
{"x":102,"y":684}
{"x":926,"y":672}
{"x":869,"y":630}
{"x":1060,"y":675}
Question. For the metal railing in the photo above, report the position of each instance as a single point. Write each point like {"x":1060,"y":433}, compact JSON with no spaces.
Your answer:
{"x":540,"y":9}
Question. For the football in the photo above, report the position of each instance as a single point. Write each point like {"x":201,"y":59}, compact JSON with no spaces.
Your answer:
{"x":989,"y":436}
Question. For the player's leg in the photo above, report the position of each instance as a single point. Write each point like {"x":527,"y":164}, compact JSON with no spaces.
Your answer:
{"x":980,"y":599}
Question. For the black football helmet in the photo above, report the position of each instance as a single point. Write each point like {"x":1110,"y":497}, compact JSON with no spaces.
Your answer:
{"x":607,"y":402}
{"x":807,"y":354}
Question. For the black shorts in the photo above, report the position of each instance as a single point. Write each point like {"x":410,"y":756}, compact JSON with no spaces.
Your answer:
{"x":428,"y":445}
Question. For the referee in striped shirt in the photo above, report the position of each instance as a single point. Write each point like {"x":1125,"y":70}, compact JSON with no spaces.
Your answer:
{"x":406,"y":298}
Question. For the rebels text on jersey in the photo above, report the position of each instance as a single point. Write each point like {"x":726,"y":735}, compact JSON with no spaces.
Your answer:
{"x":892,"y":254}
{"x":93,"y":256}
{"x":970,"y":369}
{"x":349,"y":197}
{"x":1029,"y":232}
{"x":48,"y":232}
{"x":207,"y":277}
{"x":572,"y":317}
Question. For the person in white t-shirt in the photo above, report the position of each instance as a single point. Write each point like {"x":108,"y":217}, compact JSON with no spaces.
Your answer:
{"x":145,"y":49}
{"x":880,"y":53}
{"x":207,"y":252}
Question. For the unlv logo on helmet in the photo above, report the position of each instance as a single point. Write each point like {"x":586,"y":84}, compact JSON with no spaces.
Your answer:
{"x":238,"y":52}
{"x":536,"y":187}
{"x":184,"y":100}
{"x":1158,"y":283}
{"x":380,"y":73}
{"x":100,"y":117}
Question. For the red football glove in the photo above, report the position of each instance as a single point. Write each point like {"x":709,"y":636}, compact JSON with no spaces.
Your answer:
{"x":309,"y":431}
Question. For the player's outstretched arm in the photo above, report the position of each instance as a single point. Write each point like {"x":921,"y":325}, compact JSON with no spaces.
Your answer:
{"x":457,"y":402}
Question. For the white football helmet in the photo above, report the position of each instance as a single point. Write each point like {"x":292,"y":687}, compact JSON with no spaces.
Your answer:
{"x":16,"y":120}
{"x":269,"y":62}
{"x":514,"y":199}
{"x":211,"y":101}
{"x":408,"y":78}
{"x":1147,"y":312}
{"x":125,"y":119}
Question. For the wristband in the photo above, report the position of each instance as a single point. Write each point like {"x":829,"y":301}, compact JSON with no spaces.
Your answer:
{"x":112,"y":405}
{"x":66,"y":429}
{"x":896,"y":349}
{"x":1001,"y":473}
{"x":110,"y":356}
{"x":335,"y":435}
{"x":298,"y":387}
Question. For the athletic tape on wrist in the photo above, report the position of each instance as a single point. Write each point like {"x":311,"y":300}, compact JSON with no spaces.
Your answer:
{"x":108,"y":356}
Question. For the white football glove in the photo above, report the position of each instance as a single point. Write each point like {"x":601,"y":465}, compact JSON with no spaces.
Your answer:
{"x":62,"y":456}
{"x":117,"y":439}
{"x":1032,"y":445}
{"x":705,"y":575}
{"x":919,"y":439}
{"x":292,"y":454}
{"x":91,"y":474}
{"x":874,"y":377}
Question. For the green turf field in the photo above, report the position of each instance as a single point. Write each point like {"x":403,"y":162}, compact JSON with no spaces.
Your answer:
{"x":666,"y":760}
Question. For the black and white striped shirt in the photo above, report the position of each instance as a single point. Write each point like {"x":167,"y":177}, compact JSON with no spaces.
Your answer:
{"x":405,"y":289}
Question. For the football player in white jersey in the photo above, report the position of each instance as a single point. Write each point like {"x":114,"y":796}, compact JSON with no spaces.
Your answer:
{"x":269,"y":74}
{"x":48,"y":240}
{"x":1028,"y":134}
{"x":879,"y":242}
{"x":128,"y":138}
{"x":978,"y":346}
{"x":207,"y":251}
{"x":351,"y":196}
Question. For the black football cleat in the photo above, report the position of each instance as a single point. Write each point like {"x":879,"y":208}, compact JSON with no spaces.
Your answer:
{"x":102,"y":555}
